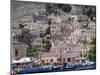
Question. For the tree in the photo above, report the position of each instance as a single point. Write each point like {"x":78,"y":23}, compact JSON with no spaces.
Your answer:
{"x":94,"y":41}
{"x":47,"y":46}
{"x":32,"y":53}
{"x":48,"y":31}
{"x":91,"y":13}
{"x":49,"y":9}
{"x":92,"y":51}
{"x":47,"y":34}
{"x":92,"y":54}
{"x":66,"y":8}
{"x":53,"y":8}
{"x":26,"y":37}
{"x":59,"y":5}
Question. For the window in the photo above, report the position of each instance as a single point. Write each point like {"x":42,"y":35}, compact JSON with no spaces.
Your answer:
{"x":51,"y":60}
{"x":13,"y":27}
{"x":43,"y":61}
{"x":16,"y":52}
{"x":59,"y":60}
{"x":69,"y":59}
{"x":52,"y":31}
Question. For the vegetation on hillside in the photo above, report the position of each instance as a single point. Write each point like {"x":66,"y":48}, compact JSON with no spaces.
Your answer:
{"x":92,"y":51}
{"x":55,"y":8}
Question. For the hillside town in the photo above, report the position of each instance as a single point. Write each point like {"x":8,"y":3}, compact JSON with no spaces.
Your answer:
{"x":50,"y":33}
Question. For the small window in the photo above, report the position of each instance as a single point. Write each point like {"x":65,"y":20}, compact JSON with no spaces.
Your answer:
{"x":59,"y":59}
{"x":69,"y":59}
{"x":14,"y":37}
{"x":51,"y":60}
{"x":13,"y":27}
{"x":52,"y":31}
{"x":43,"y":61}
{"x":16,"y":52}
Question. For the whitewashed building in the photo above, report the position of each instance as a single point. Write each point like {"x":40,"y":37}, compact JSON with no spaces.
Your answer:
{"x":55,"y":29}
{"x":92,"y":25}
